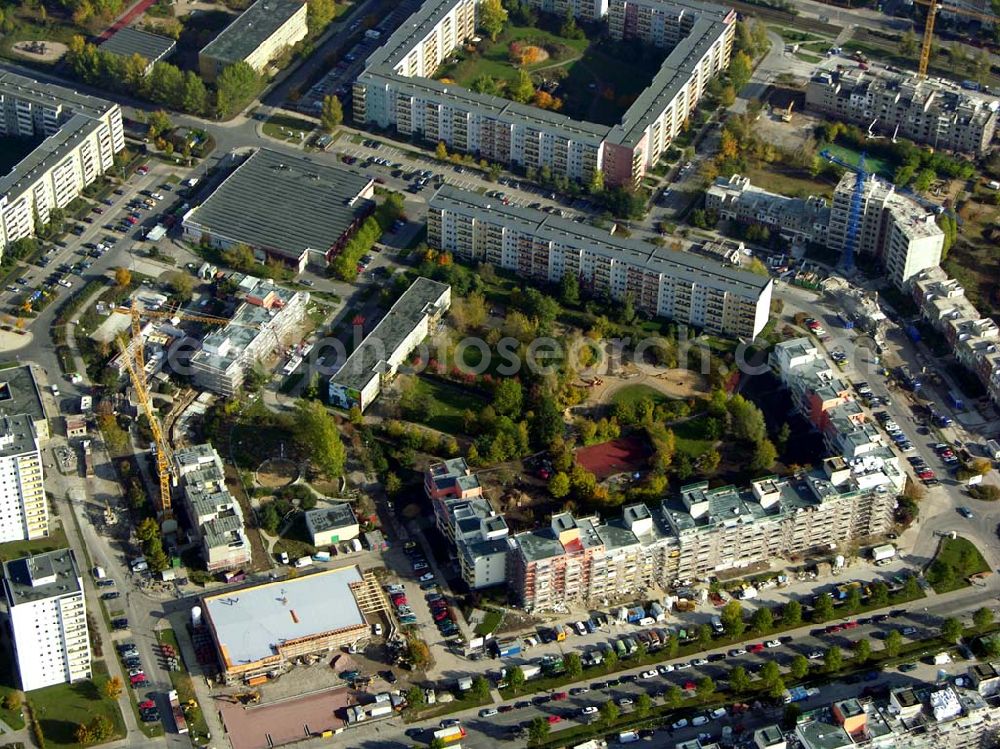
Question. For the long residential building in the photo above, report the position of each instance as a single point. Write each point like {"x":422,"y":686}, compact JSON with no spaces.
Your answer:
{"x":395,"y":90}
{"x":929,"y":111}
{"x":81,"y":135}
{"x":687,"y":288}
{"x":974,"y":339}
{"x":377,"y":358}
{"x":215,"y":515}
{"x":264,"y":323}
{"x":899,"y":232}
{"x":257,"y":36}
{"x":48,"y":619}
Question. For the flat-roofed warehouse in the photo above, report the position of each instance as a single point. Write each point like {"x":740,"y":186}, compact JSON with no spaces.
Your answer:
{"x":258,"y":630}
{"x":284,"y":207}
{"x":150,"y":47}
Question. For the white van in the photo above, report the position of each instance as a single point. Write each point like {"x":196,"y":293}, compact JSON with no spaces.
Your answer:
{"x":628,"y":737}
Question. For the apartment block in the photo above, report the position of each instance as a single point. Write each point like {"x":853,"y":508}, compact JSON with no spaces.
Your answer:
{"x":257,"y":36}
{"x":407,"y":323}
{"x":81,"y":134}
{"x":24,"y":511}
{"x":216,"y":518}
{"x":796,"y":219}
{"x":896,"y":230}
{"x":689,"y":289}
{"x":467,"y":519}
{"x":975,"y":340}
{"x":48,"y":619}
{"x":264,"y":324}
{"x":19,"y":394}
{"x":395,"y":90}
{"x":930,"y":111}
{"x":919,"y":716}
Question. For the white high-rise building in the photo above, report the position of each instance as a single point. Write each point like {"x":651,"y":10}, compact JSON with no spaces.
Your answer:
{"x":24,"y":512}
{"x":48,"y":617}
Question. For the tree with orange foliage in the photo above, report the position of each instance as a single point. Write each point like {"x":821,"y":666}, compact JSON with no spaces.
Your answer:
{"x":728,"y":148}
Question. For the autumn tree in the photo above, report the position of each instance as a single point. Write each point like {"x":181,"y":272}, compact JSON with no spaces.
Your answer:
{"x":123,"y":277}
{"x":112,"y":688}
{"x":492,"y":18}
{"x":332,"y":115}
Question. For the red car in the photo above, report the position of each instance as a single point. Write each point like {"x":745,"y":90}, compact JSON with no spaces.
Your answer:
{"x":553,"y":718}
{"x":756,"y":647}
{"x":851,"y":624}
{"x":926,"y":474}
{"x":834,"y":628}
{"x":440,"y":616}
{"x":560,"y":696}
{"x":399,"y":599}
{"x":143,"y":170}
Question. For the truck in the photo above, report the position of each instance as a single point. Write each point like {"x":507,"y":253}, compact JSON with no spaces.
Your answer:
{"x":355,"y":545}
{"x":795,"y":694}
{"x":620,"y":648}
{"x":531,"y":670}
{"x":177,"y":711}
{"x":321,"y":556}
{"x":508,"y":649}
{"x":303,"y":562}
{"x":99,"y":573}
{"x":886,"y":551}
{"x":450,"y":735}
{"x":635,"y":614}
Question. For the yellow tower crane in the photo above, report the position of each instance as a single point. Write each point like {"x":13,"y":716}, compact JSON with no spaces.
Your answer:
{"x":932,"y":9}
{"x":135,"y":363}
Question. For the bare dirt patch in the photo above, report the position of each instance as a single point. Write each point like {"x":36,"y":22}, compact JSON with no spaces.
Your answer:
{"x":674,"y":383}
{"x":275,"y":473}
{"x":43,"y":51}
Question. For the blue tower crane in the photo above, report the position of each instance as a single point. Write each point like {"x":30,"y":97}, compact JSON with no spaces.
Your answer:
{"x":854,"y":216}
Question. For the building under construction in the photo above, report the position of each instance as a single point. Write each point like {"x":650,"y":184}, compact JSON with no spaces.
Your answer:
{"x":258,"y":631}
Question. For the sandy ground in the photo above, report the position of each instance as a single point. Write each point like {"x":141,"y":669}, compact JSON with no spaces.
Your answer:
{"x":10,"y":341}
{"x":53,"y":51}
{"x":113,"y":324}
{"x":674,"y":383}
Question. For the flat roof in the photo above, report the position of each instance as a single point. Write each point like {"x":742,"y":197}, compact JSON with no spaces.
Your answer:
{"x":538,"y":544}
{"x":129,"y":41}
{"x":35,"y":578}
{"x":19,"y":393}
{"x":333,"y":515}
{"x":251,"y":623}
{"x":563,"y":232}
{"x":251,"y":28}
{"x":50,"y":152}
{"x":389,"y":334}
{"x":49,"y":94}
{"x":17,"y":435}
{"x":284,"y":204}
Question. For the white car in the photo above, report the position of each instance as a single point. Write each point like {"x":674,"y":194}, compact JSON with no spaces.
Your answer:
{"x":665,"y":668}
{"x":773,"y":643}
{"x":699,"y":662}
{"x":589,"y":710}
{"x":719,"y":712}
{"x":682,"y":665}
{"x":699,"y":720}
{"x":156,"y":196}
{"x":377,"y":629}
{"x":815,"y":655}
{"x":682,"y":723}
{"x":488,"y":712}
{"x":624,"y":701}
{"x":651,"y":674}
{"x":426,"y":578}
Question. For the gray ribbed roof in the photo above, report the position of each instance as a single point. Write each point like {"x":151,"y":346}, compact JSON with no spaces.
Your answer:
{"x":283,"y":203}
{"x":129,"y":41}
{"x":251,"y":29}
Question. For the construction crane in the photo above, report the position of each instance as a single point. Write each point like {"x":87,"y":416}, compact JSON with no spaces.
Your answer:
{"x":135,"y":363}
{"x":932,"y":9}
{"x":854,"y":216}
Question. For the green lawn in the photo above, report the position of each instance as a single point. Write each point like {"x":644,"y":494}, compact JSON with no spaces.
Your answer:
{"x":286,"y":127}
{"x":296,"y":541}
{"x":8,"y":685}
{"x":962,"y":556}
{"x":691,"y":437}
{"x":872,"y":164}
{"x":447,"y":403}
{"x":61,"y":708}
{"x":490,"y":622}
{"x":632,"y":394}
{"x":17,"y":549}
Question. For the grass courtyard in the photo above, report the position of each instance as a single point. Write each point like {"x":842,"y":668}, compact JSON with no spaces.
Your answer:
{"x":61,"y":708}
{"x":632,"y":394}
{"x":594,"y":79}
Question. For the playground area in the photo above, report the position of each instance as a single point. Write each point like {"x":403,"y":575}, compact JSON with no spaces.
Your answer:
{"x":671,"y":383}
{"x":275,"y":473}
{"x":41,"y":51}
{"x":607,"y":459}
{"x":264,"y":726}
